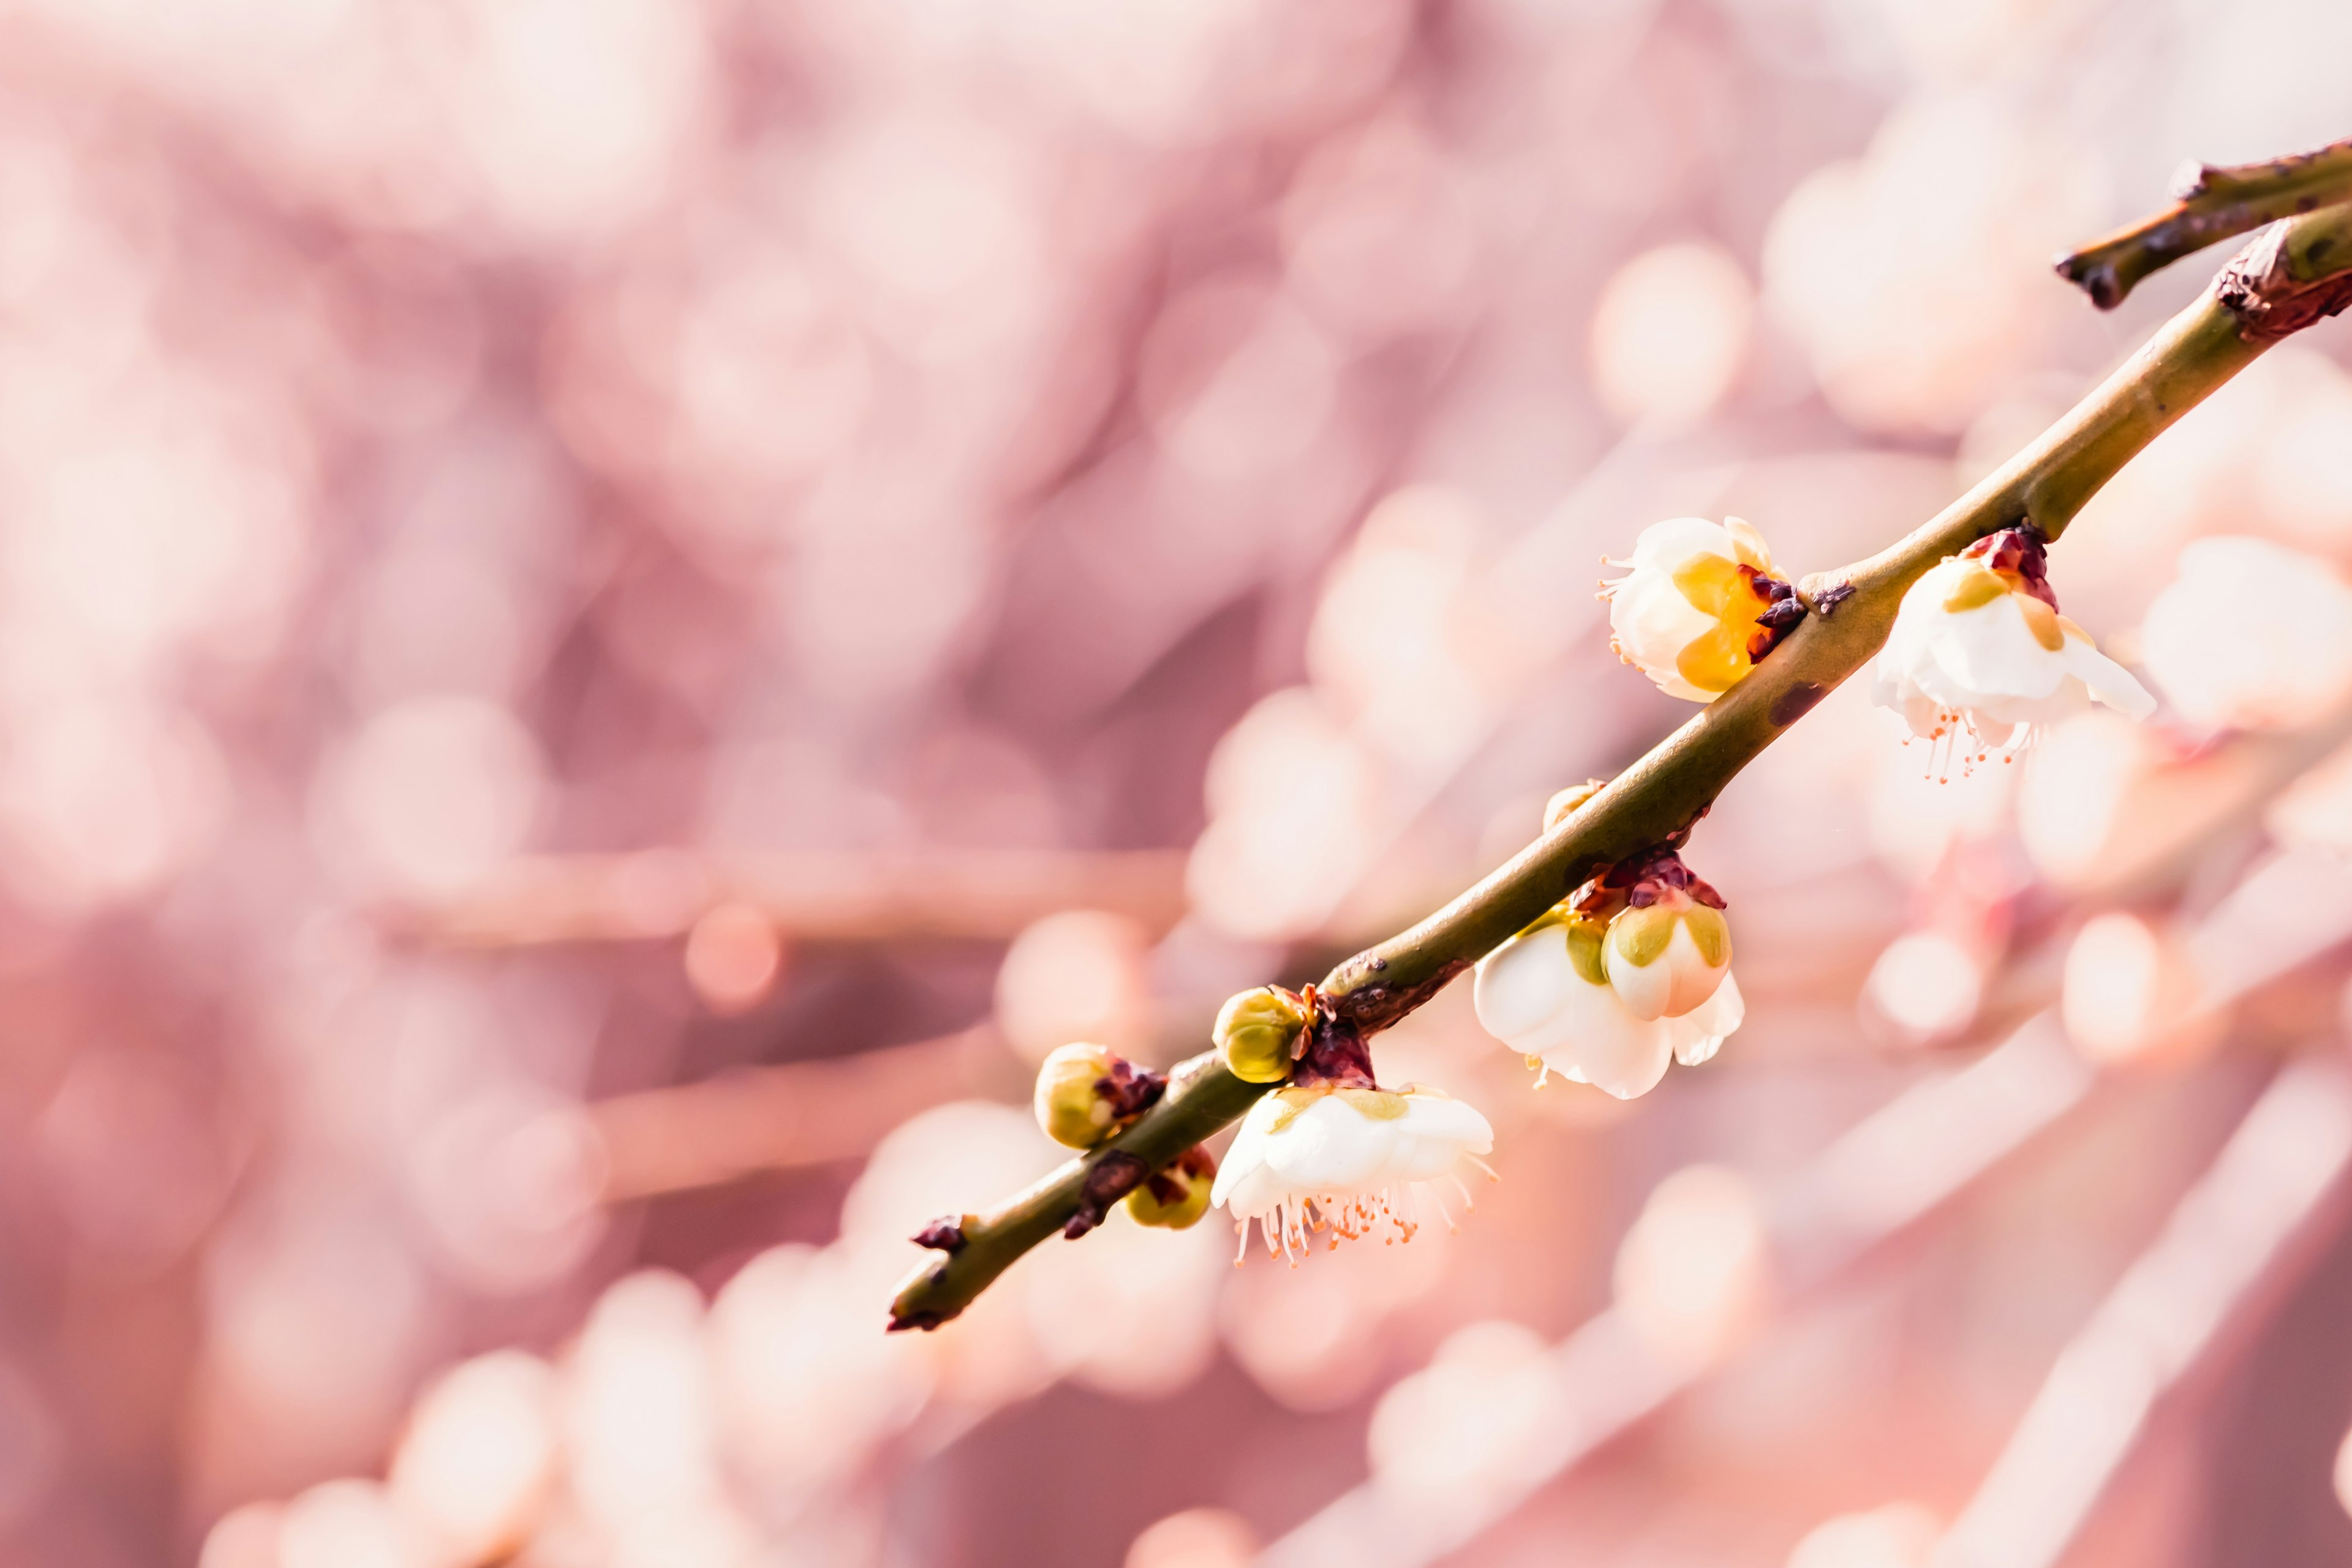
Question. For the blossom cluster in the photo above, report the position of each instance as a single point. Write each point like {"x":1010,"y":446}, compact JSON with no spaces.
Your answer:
{"x":1632,"y":972}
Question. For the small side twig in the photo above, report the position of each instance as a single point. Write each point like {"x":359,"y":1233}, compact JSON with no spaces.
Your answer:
{"x":2210,"y":204}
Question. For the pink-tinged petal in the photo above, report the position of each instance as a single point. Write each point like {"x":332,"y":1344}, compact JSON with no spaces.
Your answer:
{"x":1693,"y":980}
{"x":1700,"y":1033}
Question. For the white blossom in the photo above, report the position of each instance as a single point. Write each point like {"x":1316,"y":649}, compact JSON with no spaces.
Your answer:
{"x":1699,"y":605}
{"x":2250,"y":635}
{"x":1333,"y":1158}
{"x":1980,"y":651}
{"x":1546,"y":994}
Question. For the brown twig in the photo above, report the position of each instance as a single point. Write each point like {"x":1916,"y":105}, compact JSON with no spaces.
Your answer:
{"x":2210,"y":204}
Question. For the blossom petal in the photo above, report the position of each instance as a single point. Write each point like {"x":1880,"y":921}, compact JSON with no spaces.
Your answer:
{"x":1670,"y":542}
{"x":1627,"y":1064}
{"x":1990,"y":651}
{"x":1246,"y":1158}
{"x":1645,"y":989}
{"x":1595,"y":1040}
{"x":1523,"y":984}
{"x":2106,"y":680}
{"x":1700,"y":1033}
{"x":1331,"y":1147}
{"x":1439,"y":1131}
{"x":1694,"y":979}
{"x":1255,"y":1192}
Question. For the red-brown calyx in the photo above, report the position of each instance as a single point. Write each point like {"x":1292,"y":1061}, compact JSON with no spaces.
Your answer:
{"x":2020,"y":554}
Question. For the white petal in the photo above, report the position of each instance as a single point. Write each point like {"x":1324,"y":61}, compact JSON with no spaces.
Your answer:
{"x":1255,"y":1192}
{"x":1700,"y":1033}
{"x":1990,"y":652}
{"x":1522,"y":985}
{"x":1644,"y":989}
{"x":1331,"y":1147}
{"x":1678,"y":539}
{"x":1629,"y":1064}
{"x":1247,"y":1156}
{"x":2106,"y":680}
{"x":1595,"y":1040}
{"x":1448,"y":1122}
{"x":1653,"y":623}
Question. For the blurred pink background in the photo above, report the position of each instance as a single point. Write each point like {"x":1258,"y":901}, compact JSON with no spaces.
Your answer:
{"x":613,"y":613}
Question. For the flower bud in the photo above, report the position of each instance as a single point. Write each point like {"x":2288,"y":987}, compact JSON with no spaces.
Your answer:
{"x":1698,"y":605}
{"x":1256,"y":1030}
{"x":1664,"y":961}
{"x":1086,"y":1094}
{"x":1562,"y":805}
{"x":1178,"y":1197}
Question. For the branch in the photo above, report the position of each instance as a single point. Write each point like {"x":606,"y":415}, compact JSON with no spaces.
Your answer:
{"x":2210,"y":204}
{"x":1659,"y":797}
{"x":808,"y":896}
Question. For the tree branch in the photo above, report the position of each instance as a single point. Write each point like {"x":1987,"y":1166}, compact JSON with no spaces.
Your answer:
{"x":1660,"y":797}
{"x":2210,"y":204}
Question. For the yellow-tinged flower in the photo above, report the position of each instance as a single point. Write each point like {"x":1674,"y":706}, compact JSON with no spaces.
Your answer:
{"x":1698,"y":605}
{"x":1609,"y":987}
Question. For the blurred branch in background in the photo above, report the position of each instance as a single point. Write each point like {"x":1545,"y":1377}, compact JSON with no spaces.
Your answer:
{"x":805,"y":897}
{"x":1899,"y":1165}
{"x":1913,"y":1157}
{"x":2236,"y":1229}
{"x":779,"y":1118}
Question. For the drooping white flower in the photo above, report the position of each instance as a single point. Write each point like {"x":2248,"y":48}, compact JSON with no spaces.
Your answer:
{"x":1329,"y":1157}
{"x":1699,"y":605}
{"x":2250,"y":635}
{"x":1547,"y":995}
{"x":1979,"y":651}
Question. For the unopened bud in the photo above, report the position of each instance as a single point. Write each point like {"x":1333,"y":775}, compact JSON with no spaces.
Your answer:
{"x":1558,"y":809}
{"x":1255,"y":1031}
{"x":1176,"y":1196}
{"x":1086,"y":1093}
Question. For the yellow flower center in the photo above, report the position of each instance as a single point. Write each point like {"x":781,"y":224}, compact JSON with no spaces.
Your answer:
{"x":1979,"y":585}
{"x":1716,"y":660}
{"x":1374,"y":1104}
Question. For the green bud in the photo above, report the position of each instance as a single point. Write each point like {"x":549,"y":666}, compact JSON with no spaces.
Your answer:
{"x":1085,"y":1093}
{"x":1176,"y":1196}
{"x":1255,"y":1031}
